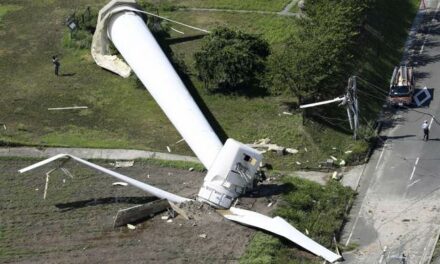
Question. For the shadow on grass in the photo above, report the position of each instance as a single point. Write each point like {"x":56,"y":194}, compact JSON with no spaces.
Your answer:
{"x":265,"y":190}
{"x":171,"y":41}
{"x":107,"y":200}
{"x":68,"y":74}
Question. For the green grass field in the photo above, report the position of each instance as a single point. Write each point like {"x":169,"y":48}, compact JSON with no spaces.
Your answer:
{"x":260,"y":5}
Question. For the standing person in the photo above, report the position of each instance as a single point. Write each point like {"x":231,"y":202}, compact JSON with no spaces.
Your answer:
{"x":56,"y":64}
{"x":425,"y":128}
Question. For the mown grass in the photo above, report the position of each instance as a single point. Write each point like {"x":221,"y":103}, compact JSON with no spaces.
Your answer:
{"x":309,"y":207}
{"x":4,"y":9}
{"x":261,"y":5}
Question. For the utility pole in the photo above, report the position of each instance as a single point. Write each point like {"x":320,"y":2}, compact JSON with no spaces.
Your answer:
{"x":350,"y":100}
{"x":353,"y":105}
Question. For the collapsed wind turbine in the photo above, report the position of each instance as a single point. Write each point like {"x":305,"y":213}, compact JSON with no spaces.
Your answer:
{"x":232,"y":167}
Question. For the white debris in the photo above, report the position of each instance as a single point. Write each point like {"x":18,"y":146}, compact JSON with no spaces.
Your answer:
{"x":36,"y":189}
{"x":203,"y":235}
{"x":64,"y":180}
{"x":348,"y":152}
{"x":305,"y":149}
{"x":342,"y":163}
{"x":333,"y":158}
{"x":120,"y":184}
{"x":291,"y":150}
{"x":175,"y":30}
{"x":334,"y":148}
{"x":336,"y":176}
{"x":307,"y":231}
{"x":270,"y":204}
{"x":287,"y":113}
{"x":165,"y":217}
{"x":169,"y":149}
{"x":298,"y":163}
{"x":169,"y":220}
{"x":131,"y":227}
{"x":191,"y":169}
{"x":67,"y":108}
{"x":124,"y":164}
{"x":148,"y":176}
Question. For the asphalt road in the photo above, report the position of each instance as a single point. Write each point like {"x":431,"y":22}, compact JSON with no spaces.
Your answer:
{"x":397,"y":212}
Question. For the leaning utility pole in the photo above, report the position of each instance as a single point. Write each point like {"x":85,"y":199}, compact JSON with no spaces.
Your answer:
{"x":353,"y":105}
{"x":351,"y":102}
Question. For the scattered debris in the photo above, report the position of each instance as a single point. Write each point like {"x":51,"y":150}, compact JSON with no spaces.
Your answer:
{"x":270,"y":204}
{"x":305,"y":149}
{"x":175,"y":30}
{"x":267,"y":146}
{"x":287,"y":113}
{"x":333,"y":158}
{"x":67,"y":108}
{"x":169,"y":220}
{"x":165,"y":217}
{"x":169,"y":149}
{"x":348,"y":151}
{"x":120,"y":184}
{"x":36,"y":189}
{"x":131,"y":227}
{"x":203,"y":235}
{"x":307,"y":231}
{"x":140,"y":212}
{"x":334,"y":148}
{"x":191,"y":169}
{"x":124,"y":163}
{"x":298,"y":163}
{"x":179,"y":210}
{"x":291,"y":150}
{"x":336,"y":176}
{"x":342,"y":163}
{"x":4,"y":126}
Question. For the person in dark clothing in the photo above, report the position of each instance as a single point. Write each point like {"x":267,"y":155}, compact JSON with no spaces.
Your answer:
{"x":56,"y":64}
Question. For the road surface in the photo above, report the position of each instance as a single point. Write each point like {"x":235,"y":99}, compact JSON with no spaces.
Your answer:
{"x":397,"y":213}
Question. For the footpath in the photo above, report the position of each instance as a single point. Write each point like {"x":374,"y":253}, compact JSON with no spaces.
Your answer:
{"x":91,"y":153}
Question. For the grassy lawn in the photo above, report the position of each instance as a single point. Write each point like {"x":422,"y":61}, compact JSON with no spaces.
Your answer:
{"x":260,"y":5}
{"x":122,"y":115}
{"x":309,"y":207}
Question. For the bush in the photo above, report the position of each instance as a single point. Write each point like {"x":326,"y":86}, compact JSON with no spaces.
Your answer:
{"x":231,"y":60}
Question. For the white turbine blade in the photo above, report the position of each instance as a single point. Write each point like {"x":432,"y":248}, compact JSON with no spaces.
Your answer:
{"x":43,"y":162}
{"x":143,"y":186}
{"x":279,"y":226}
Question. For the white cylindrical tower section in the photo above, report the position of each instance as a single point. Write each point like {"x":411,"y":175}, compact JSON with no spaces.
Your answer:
{"x":140,"y":50}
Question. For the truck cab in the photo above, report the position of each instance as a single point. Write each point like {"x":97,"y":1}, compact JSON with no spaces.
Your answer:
{"x":401,"y":86}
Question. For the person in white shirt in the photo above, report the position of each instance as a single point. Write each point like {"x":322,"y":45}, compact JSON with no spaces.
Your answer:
{"x":425,"y":128}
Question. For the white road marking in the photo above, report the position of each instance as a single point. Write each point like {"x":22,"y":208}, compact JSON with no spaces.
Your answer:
{"x":409,"y":185}
{"x":414,"y":169}
{"x":380,"y":157}
{"x":430,"y":123}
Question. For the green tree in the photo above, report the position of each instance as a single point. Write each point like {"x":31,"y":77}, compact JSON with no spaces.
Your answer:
{"x":319,"y":57}
{"x":231,"y":60}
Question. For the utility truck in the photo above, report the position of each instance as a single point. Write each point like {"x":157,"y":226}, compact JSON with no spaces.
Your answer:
{"x":401,"y":86}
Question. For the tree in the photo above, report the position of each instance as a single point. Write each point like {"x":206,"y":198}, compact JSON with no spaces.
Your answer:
{"x":231,"y":60}
{"x":320,"y":56}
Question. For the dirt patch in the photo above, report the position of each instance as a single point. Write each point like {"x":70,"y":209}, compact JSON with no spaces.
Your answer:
{"x":74,"y":224}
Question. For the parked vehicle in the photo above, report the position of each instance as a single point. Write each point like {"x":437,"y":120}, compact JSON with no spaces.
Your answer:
{"x":401,"y":86}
